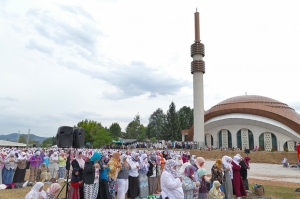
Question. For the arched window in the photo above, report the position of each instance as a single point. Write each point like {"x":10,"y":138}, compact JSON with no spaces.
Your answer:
{"x":250,"y":140}
{"x":229,"y":138}
{"x":262,"y":142}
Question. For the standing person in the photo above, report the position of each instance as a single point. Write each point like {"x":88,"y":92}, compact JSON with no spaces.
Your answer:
{"x":171,"y":182}
{"x":152,"y":176}
{"x":34,"y":166}
{"x":75,"y":183}
{"x":21,"y":168}
{"x":114,"y":168}
{"x":203,"y":187}
{"x":90,"y":174}
{"x":227,"y":167}
{"x":179,"y":162}
{"x":217,"y":174}
{"x":133,"y":179}
{"x":237,"y":184}
{"x":215,"y":192}
{"x":103,"y":192}
{"x":189,"y":183}
{"x":36,"y":191}
{"x":244,"y":171}
{"x":78,"y":163}
{"x":53,"y":165}
{"x":143,"y":178}
{"x":62,"y":162}
{"x":159,"y":171}
{"x":122,"y":178}
{"x":8,"y":169}
{"x":1,"y":163}
{"x":52,"y":191}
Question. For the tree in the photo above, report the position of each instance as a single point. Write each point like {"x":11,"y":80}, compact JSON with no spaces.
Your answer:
{"x":157,"y":122}
{"x":23,"y":139}
{"x":172,"y":131}
{"x":47,"y":142}
{"x":88,"y":125}
{"x":133,"y":127}
{"x":115,"y":130}
{"x":141,"y":133}
{"x":185,"y":117}
{"x":101,"y":136}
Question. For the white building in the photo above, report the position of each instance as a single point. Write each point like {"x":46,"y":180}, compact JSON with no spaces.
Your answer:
{"x":248,"y":121}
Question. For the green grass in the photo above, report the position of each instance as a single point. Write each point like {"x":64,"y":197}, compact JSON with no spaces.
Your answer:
{"x":280,"y":192}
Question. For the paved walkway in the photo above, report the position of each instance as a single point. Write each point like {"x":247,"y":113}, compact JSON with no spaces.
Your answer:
{"x":262,"y":171}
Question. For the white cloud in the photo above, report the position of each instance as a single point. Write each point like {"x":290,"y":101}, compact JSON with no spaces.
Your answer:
{"x":62,"y":62}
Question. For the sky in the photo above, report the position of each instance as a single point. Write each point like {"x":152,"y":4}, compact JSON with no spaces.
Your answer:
{"x":65,"y":61}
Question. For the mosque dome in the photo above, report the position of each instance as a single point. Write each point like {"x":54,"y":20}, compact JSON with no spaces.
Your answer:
{"x":257,"y":105}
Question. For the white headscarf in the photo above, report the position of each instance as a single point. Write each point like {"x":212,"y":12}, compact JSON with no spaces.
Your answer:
{"x":22,"y":156}
{"x":236,"y":159}
{"x":35,"y":191}
{"x":53,"y":157}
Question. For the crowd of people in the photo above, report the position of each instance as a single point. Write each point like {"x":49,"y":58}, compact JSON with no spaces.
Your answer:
{"x":109,"y":174}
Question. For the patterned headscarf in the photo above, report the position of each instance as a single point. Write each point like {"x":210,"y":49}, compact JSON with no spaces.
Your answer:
{"x":169,"y":167}
{"x":189,"y":171}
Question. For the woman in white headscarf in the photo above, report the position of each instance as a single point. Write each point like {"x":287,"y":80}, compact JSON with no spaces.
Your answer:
{"x":179,"y":162}
{"x":215,"y":192}
{"x":21,"y":168}
{"x":227,"y":168}
{"x":133,"y":179}
{"x":53,"y":165}
{"x":36,"y":192}
{"x":237,"y":183}
{"x":171,"y":182}
{"x":143,"y":178}
{"x":8,"y":170}
{"x":122,"y":178}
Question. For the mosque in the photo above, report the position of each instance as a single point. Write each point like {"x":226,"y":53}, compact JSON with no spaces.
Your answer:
{"x":248,"y":121}
{"x":244,"y":122}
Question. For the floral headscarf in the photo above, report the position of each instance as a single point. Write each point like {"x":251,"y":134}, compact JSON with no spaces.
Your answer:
{"x":169,"y":167}
{"x":189,"y":171}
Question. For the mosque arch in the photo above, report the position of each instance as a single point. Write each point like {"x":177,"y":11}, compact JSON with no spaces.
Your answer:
{"x":290,"y":145}
{"x":245,"y":139}
{"x":225,"y":139}
{"x":268,"y":141}
{"x":209,"y":140}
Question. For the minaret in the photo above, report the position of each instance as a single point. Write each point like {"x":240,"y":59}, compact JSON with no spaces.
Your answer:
{"x":198,"y":69}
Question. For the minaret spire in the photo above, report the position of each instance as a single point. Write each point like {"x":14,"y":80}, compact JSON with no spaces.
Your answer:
{"x":198,"y":69}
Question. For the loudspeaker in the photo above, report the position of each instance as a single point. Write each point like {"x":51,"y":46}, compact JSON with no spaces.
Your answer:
{"x":78,"y":141}
{"x":64,"y":137}
{"x":247,"y":151}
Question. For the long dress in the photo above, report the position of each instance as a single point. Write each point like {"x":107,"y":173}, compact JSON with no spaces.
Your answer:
{"x":237,"y":184}
{"x":188,"y":187}
{"x":20,"y":172}
{"x":8,"y":171}
{"x":227,"y":184}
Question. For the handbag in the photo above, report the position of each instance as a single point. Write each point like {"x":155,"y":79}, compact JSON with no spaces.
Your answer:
{"x":259,"y":190}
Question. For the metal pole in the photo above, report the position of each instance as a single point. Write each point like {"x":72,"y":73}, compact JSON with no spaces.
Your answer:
{"x":28,"y":136}
{"x":18,"y":136}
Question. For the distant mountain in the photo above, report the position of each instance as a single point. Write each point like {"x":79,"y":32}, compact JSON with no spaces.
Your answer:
{"x":14,"y":136}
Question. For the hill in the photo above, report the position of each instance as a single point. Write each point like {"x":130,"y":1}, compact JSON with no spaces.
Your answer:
{"x":14,"y":136}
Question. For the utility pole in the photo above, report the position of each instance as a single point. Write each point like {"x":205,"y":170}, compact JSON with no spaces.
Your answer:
{"x":28,"y":136}
{"x":18,"y":136}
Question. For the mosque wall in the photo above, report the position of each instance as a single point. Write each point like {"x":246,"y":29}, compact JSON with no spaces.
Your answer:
{"x":256,"y":130}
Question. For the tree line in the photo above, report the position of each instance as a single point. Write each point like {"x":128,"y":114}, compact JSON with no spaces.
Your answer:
{"x":161,"y":126}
